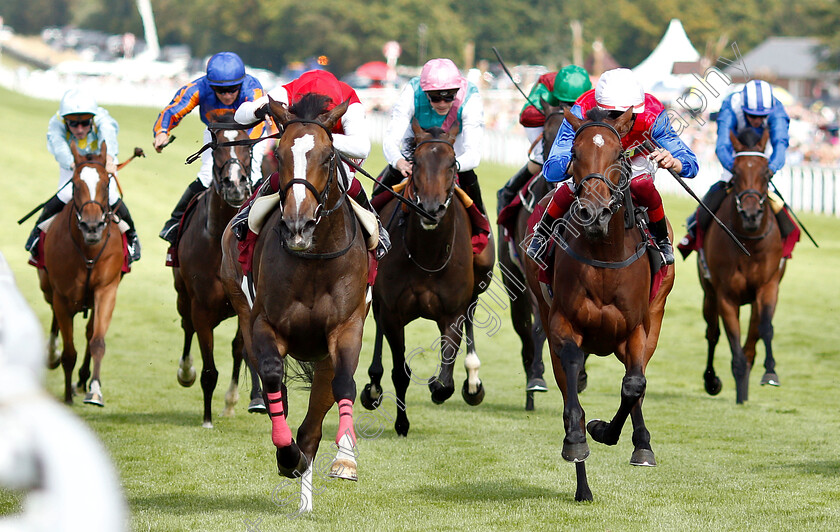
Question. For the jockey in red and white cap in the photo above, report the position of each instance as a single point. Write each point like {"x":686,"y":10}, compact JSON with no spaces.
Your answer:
{"x":617,"y":91}
{"x":439,"y":97}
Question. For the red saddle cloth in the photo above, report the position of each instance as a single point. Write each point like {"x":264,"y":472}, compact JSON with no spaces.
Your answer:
{"x":507,"y":217}
{"x":38,"y":261}
{"x":545,"y":276}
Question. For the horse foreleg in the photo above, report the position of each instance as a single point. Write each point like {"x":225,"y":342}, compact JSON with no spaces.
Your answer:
{"x":443,"y":386}
{"x":257,"y":402}
{"x":103,"y":309}
{"x":767,"y":297}
{"x":232,"y":394}
{"x":372,"y":391}
{"x":209,"y":374}
{"x":401,"y":373}
{"x":267,"y":348}
{"x":711,"y":381}
{"x":729,"y":312}
{"x":54,"y":355}
{"x":473,"y":390}
{"x":186,"y":371}
{"x":345,"y":346}
{"x":84,"y":369}
{"x":642,"y":451}
{"x":569,"y":363}
{"x":64,"y":319}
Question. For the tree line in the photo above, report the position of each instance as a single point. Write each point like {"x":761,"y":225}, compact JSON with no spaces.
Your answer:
{"x":272,"y":33}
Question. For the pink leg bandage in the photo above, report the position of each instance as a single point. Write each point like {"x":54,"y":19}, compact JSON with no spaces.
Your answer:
{"x":281,"y":435}
{"x":345,"y":420}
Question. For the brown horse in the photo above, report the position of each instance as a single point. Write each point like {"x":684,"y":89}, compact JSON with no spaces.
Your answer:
{"x":83,"y":259}
{"x":601,"y":281}
{"x":733,"y":279}
{"x":310,"y":268}
{"x":202,"y":302}
{"x":430,"y":272}
{"x":524,"y":310}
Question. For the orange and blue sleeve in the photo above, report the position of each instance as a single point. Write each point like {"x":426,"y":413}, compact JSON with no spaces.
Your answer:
{"x":182,"y":103}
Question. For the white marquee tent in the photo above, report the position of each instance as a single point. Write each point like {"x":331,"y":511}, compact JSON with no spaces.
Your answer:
{"x":654,"y":73}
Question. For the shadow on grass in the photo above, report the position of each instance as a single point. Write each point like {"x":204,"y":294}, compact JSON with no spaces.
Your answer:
{"x":180,"y":503}
{"x":827,"y":468}
{"x":484,"y":490}
{"x":172,"y":418}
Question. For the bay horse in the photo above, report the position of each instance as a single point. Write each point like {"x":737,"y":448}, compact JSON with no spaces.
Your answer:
{"x":430,"y":272}
{"x":202,"y":302}
{"x":310,"y":268}
{"x":83,"y":266}
{"x":732,"y":278}
{"x":601,"y":283}
{"x":524,"y":310}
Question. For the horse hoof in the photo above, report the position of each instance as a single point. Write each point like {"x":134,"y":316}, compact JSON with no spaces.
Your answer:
{"x":575,"y":452}
{"x":401,"y":427}
{"x":207,"y":425}
{"x":597,"y":428}
{"x":370,"y":396}
{"x":343,"y":468}
{"x":472,"y":399}
{"x":440,"y":393}
{"x":79,"y":388}
{"x":186,"y":378}
{"x":257,"y":406}
{"x":770,"y":378}
{"x":583,"y":380}
{"x":537,"y":384}
{"x":94,"y":399}
{"x":286,"y":456}
{"x":643,"y":457}
{"x":713,"y":385}
{"x":54,"y":360}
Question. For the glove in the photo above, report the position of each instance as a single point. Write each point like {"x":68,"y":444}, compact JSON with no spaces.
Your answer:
{"x":260,"y":112}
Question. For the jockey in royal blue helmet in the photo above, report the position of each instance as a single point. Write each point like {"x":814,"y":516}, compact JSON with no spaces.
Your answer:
{"x":754,"y":106}
{"x":221,"y":91}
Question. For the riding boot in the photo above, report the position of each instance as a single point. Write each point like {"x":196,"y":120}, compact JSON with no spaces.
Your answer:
{"x":51,"y":208}
{"x":473,"y":190}
{"x":700,"y":218}
{"x":538,"y":246}
{"x":786,"y":224}
{"x":132,"y":240}
{"x":659,"y":230}
{"x":506,"y":194}
{"x":384,"y":244}
{"x":170,"y":228}
{"x":389,"y":176}
{"x":239,"y":223}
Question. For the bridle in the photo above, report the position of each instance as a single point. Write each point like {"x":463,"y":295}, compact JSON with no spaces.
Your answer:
{"x":222,"y":173}
{"x":411,"y":193}
{"x":616,"y":192}
{"x":760,"y":196}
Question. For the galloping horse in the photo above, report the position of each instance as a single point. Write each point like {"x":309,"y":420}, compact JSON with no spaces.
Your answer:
{"x":601,"y":281}
{"x":83,"y":259}
{"x":430,"y":272}
{"x":524,"y":311}
{"x":310,"y":268}
{"x":734,"y":279}
{"x":202,"y":302}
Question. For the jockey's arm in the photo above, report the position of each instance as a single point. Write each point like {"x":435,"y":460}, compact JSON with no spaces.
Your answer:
{"x":182,"y":103}
{"x":355,"y":141}
{"x":399,"y":128}
{"x":471,"y":134}
{"x":726,"y":122}
{"x":57,"y":142}
{"x":247,"y":112}
{"x":532,"y":112}
{"x":556,"y":167}
{"x":778,"y":122}
{"x":665,"y":136}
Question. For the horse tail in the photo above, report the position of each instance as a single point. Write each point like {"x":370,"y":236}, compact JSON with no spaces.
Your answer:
{"x":299,"y":372}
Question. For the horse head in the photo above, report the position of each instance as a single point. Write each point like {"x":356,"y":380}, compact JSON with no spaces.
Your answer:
{"x":434,"y":170}
{"x":599,"y":172}
{"x":554,"y":115}
{"x":90,"y":194}
{"x":232,"y":165}
{"x":750,"y":176}
{"x":308,"y":165}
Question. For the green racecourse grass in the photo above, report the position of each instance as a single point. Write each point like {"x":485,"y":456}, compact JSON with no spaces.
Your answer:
{"x":771,"y":464}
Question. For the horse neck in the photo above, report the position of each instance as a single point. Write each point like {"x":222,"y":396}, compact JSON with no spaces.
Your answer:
{"x":219,"y":213}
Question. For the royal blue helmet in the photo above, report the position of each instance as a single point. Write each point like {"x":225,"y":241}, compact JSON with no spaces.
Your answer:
{"x":225,"y":69}
{"x":758,"y":98}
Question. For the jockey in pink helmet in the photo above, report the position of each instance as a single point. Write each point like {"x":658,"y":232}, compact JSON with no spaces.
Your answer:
{"x":439,"y":97}
{"x":616,"y":92}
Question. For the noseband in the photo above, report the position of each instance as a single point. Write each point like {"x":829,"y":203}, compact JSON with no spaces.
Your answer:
{"x":321,"y":210}
{"x":219,"y":173}
{"x":410,"y":190}
{"x":615,"y":199}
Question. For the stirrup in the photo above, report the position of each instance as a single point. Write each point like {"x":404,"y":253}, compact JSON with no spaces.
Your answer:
{"x":239,"y":224}
{"x":666,"y":250}
{"x":133,"y":246}
{"x":169,"y":231}
{"x":537,"y":248}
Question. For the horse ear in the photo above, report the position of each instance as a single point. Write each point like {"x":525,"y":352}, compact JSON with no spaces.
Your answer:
{"x":624,"y":123}
{"x":736,"y":144}
{"x":453,"y":132}
{"x":77,"y":158}
{"x":103,"y":153}
{"x":764,"y":138}
{"x":335,"y":115}
{"x":415,"y":127}
{"x":278,"y":111}
{"x":570,"y":117}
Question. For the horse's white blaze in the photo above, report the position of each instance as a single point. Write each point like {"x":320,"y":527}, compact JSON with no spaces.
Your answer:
{"x":306,"y":491}
{"x":471,"y":364}
{"x":90,"y":177}
{"x":300,"y":148}
{"x":230,"y":135}
{"x":598,"y":140}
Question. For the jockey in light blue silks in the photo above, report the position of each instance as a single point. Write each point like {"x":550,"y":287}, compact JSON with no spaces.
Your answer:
{"x":754,"y":106}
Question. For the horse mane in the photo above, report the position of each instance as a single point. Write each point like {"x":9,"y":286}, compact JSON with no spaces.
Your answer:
{"x":748,"y":137}
{"x":226,"y":117}
{"x":310,"y":106}
{"x":596,"y":114}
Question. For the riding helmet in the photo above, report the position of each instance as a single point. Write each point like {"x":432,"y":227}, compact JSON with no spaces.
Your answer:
{"x":619,"y":90}
{"x":76,"y":102}
{"x":225,"y":69}
{"x":758,"y":98}
{"x":571,"y":81}
{"x":440,"y":74}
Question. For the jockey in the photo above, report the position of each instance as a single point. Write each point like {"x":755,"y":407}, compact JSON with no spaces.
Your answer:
{"x":755,"y":107}
{"x":219,"y":92}
{"x":350,"y":135}
{"x":617,"y":91}
{"x":80,"y":120}
{"x":555,"y":88}
{"x":439,"y":97}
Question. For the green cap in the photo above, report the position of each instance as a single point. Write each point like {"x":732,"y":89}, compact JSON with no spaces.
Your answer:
{"x":571,"y":81}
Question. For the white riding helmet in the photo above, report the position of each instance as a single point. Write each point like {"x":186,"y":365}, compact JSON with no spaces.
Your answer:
{"x":75,"y":102}
{"x":619,"y":90}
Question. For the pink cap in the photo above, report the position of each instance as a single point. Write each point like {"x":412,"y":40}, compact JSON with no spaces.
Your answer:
{"x":440,"y":74}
